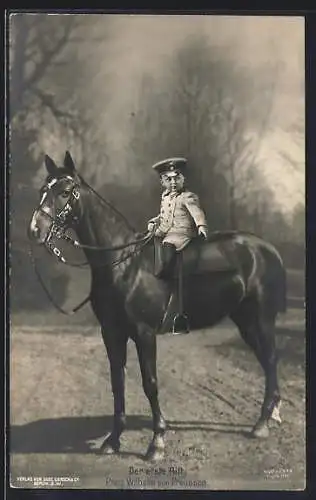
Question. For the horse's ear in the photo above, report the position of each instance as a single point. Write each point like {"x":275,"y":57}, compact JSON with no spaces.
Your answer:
{"x":51,"y":166}
{"x":69,"y":163}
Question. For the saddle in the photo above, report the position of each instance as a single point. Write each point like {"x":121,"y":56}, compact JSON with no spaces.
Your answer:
{"x":198,"y":257}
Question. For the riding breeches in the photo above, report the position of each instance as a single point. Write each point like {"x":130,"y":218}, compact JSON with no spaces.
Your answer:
{"x":168,"y":256}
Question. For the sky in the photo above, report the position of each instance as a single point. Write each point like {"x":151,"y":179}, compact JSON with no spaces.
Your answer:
{"x":142,"y":44}
{"x":132,"y":46}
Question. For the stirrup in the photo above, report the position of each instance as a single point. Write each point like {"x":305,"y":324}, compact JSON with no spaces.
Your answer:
{"x":180,"y":324}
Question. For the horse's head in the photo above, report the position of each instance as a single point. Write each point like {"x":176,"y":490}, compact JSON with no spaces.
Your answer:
{"x":58,"y":206}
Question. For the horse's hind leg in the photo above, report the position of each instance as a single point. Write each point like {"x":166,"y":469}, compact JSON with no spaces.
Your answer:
{"x":146,"y":345}
{"x":257,"y":328}
{"x":116,"y":346}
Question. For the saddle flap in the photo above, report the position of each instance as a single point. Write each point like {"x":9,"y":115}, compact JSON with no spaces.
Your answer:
{"x":198,"y":257}
{"x":201,"y":257}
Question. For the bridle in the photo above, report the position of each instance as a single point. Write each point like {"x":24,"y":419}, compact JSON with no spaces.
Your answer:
{"x":58,"y":222}
{"x":59,"y":225}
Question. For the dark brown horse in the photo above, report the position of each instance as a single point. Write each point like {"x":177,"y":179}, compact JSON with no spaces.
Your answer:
{"x":130,"y":302}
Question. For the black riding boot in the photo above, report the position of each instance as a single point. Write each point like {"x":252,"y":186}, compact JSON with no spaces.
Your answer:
{"x":168,"y":260}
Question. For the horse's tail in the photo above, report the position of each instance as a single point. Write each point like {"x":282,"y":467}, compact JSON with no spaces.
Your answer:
{"x":281,"y":294}
{"x":277,"y":277}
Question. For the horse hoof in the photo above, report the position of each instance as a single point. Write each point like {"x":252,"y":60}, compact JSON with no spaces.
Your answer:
{"x":154,"y":455}
{"x":260,"y":431}
{"x":107,"y":450}
{"x":276,"y":413}
{"x":109,"y":447}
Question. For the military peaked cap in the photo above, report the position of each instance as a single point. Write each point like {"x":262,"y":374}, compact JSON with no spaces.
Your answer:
{"x":170,"y":165}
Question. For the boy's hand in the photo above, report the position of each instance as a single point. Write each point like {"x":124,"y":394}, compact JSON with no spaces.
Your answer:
{"x":202,"y":230}
{"x":151,"y":227}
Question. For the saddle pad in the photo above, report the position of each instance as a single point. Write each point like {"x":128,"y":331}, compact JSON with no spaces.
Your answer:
{"x":201,"y":257}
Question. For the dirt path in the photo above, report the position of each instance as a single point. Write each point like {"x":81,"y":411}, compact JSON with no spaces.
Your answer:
{"x":210,"y":391}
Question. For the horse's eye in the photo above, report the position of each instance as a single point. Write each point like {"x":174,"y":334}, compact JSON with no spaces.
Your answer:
{"x":66,"y":193}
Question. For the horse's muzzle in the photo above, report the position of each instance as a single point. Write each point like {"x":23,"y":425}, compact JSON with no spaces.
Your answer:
{"x":34,"y":232}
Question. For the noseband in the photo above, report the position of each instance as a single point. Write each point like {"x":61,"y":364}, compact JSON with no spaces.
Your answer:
{"x":58,"y":223}
{"x":57,"y":229}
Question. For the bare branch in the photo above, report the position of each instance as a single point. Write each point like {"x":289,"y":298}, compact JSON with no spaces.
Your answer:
{"x":294,"y":163}
{"x":49,"y":55}
{"x":18,"y":65}
{"x":48,"y":101}
{"x":81,"y":39}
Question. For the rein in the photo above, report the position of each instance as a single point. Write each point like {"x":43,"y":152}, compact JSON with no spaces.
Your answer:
{"x":49,"y":295}
{"x":57,"y":253}
{"x":57,"y":231}
{"x":77,"y":244}
{"x":142,"y":242}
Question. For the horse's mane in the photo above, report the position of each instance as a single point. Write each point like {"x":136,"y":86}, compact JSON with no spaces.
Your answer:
{"x":106,"y":202}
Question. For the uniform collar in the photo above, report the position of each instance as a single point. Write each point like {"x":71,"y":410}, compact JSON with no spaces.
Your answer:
{"x":167,"y":193}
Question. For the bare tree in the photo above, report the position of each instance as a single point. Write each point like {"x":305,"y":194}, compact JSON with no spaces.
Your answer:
{"x":46,"y":92}
{"x":44,"y":49}
{"x":35,"y":49}
{"x":196,"y":110}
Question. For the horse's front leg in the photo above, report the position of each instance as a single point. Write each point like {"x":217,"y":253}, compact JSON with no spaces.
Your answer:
{"x":116,"y":346}
{"x":146,"y":346}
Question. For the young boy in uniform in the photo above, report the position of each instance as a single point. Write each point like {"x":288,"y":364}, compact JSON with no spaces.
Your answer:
{"x":181,"y":218}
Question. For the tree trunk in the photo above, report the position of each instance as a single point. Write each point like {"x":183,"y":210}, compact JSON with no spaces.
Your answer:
{"x":18,"y":42}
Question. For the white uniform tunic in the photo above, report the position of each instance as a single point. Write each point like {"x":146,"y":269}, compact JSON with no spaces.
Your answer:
{"x":180,"y":215}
